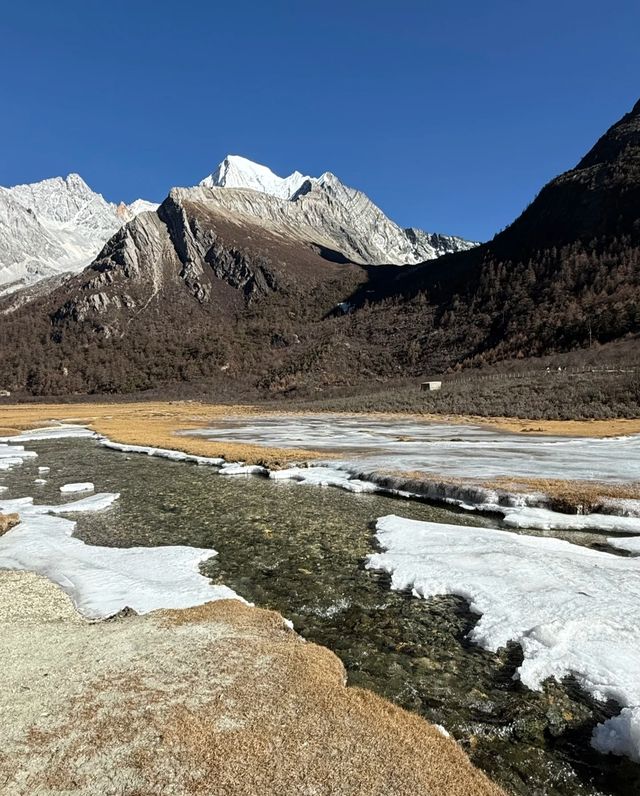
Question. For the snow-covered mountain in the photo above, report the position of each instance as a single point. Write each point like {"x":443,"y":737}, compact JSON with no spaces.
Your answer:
{"x":238,"y":172}
{"x":54,"y":226}
{"x":350,"y":221}
{"x":60,"y":225}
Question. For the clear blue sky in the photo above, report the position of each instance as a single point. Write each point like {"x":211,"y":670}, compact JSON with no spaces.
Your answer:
{"x":450,"y":115}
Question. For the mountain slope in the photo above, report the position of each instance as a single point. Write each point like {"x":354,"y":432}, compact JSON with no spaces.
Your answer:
{"x":245,"y":292}
{"x":564,"y":275}
{"x":54,"y":226}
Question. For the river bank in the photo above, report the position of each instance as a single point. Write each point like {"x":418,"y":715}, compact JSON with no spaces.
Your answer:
{"x":298,"y":549}
{"x":219,"y":699}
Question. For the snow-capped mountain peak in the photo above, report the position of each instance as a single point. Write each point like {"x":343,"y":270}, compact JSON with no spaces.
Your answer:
{"x":53,"y":226}
{"x":238,"y":172}
{"x":351,"y":223}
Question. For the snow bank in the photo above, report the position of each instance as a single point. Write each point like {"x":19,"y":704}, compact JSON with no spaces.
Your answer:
{"x":165,"y":453}
{"x":324,"y":476}
{"x":629,"y":543}
{"x":574,"y":611}
{"x":545,"y":519}
{"x":61,"y":431}
{"x":238,"y":468}
{"x":81,"y":486}
{"x":103,"y":580}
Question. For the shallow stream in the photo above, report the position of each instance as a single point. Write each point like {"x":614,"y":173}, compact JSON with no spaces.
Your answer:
{"x":300,"y":550}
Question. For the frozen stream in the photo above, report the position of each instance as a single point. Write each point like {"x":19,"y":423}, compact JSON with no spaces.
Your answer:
{"x":441,"y":449}
{"x":303,"y":551}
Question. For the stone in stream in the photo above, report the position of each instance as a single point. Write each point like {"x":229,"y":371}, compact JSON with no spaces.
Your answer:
{"x":8,"y":521}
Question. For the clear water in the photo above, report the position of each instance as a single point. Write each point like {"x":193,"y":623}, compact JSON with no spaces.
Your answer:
{"x":301,"y":550}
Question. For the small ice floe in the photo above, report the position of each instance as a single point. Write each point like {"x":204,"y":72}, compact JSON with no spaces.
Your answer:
{"x":81,"y":486}
{"x":44,"y":469}
{"x":238,"y":468}
{"x":40,"y":481}
{"x":13,"y":455}
{"x":102,"y":581}
{"x":574,"y":611}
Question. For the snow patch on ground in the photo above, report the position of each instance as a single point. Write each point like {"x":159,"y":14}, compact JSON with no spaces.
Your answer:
{"x":574,"y":611}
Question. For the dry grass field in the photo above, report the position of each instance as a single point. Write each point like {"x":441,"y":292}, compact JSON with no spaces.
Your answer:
{"x":222,"y":700}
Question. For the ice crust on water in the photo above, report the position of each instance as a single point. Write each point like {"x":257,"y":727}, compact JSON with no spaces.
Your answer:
{"x":574,"y":611}
{"x":14,"y":455}
{"x":630,"y":544}
{"x":103,"y":580}
{"x":441,"y":449}
{"x":60,"y":431}
{"x":545,"y":519}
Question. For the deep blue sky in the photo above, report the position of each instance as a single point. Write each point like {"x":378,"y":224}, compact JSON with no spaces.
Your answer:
{"x":450,"y":115}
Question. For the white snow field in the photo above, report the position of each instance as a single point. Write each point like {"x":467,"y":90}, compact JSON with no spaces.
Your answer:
{"x":573,"y":610}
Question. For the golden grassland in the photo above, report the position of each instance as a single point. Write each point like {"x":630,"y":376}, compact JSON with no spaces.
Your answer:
{"x":222,"y":698}
{"x":154,"y":424}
